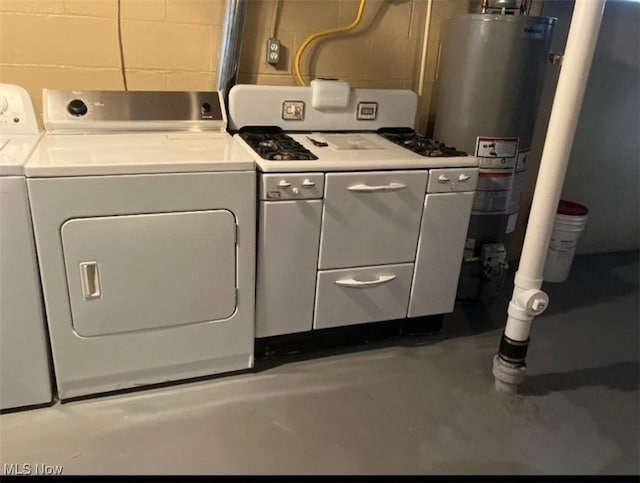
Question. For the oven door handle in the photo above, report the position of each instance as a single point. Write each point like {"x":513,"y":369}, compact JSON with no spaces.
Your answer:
{"x":351,"y":282}
{"x":365,"y":188}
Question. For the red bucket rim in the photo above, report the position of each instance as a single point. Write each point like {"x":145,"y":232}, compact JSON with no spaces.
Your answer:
{"x":572,"y":209}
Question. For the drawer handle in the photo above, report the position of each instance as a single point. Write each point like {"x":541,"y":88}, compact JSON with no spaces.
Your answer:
{"x":365,"y":188}
{"x":284,"y":184}
{"x":351,"y":282}
{"x":90,"y":280}
{"x":307,"y":183}
{"x":443,"y":179}
{"x":464,"y":177}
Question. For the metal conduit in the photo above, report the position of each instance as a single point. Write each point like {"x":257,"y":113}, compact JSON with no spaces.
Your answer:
{"x":230,"y":45}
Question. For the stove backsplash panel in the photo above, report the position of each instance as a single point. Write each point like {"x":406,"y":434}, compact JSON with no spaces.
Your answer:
{"x":290,"y":108}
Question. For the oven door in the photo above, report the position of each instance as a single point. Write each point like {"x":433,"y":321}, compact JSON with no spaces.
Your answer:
{"x":371,"y":218}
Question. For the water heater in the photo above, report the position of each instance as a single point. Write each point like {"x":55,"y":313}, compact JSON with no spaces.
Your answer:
{"x":490,"y":79}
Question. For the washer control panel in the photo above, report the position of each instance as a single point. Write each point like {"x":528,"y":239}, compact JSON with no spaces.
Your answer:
{"x":133,"y":110}
{"x":17,"y":115}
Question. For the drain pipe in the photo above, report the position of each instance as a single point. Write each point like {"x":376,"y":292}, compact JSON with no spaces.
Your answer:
{"x":230,"y":45}
{"x":528,"y":301}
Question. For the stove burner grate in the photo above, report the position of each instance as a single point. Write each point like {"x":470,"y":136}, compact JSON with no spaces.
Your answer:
{"x":276,"y":145}
{"x":421,"y":145}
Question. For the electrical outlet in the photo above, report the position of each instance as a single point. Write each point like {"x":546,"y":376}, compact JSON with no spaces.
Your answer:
{"x":273,"y":51}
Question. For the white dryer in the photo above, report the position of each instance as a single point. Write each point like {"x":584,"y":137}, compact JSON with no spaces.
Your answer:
{"x":25,"y":375}
{"x":144,"y":214}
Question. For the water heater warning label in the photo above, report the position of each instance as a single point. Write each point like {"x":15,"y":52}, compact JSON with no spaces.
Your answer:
{"x":497,"y":159}
{"x":523,"y":157}
{"x":494,"y":202}
{"x":496,"y":163}
{"x":492,"y":192}
{"x":496,"y":147}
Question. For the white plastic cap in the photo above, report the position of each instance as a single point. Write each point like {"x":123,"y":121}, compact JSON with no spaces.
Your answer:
{"x":329,"y":94}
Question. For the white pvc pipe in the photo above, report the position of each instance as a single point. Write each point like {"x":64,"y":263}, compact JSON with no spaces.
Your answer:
{"x":583,"y":34}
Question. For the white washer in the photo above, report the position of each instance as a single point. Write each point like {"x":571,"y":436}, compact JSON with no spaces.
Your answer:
{"x":144,"y":218}
{"x":25,"y":378}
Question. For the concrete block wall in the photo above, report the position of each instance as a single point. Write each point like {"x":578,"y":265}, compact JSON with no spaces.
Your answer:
{"x":174,"y":44}
{"x":168,"y":44}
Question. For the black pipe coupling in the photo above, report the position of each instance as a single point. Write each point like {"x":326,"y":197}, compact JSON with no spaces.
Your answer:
{"x":513,"y":351}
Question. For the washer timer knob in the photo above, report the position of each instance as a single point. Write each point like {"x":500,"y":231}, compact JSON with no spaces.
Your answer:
{"x":77,"y":107}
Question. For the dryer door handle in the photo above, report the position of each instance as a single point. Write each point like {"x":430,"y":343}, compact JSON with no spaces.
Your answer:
{"x":90,"y":280}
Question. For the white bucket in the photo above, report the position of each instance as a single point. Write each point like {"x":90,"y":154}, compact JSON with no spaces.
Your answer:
{"x":569,"y":225}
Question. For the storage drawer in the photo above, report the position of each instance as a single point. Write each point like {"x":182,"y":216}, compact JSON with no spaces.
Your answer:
{"x":371,"y":218}
{"x":291,"y":186}
{"x":360,"y":295}
{"x":453,"y":179}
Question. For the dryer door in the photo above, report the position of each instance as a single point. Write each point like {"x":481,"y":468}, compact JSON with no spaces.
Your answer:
{"x":144,"y":272}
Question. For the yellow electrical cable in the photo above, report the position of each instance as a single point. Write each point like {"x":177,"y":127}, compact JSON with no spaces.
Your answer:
{"x":323,"y":33}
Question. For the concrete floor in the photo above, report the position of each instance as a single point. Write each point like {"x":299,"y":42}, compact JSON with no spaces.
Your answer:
{"x":404,"y":405}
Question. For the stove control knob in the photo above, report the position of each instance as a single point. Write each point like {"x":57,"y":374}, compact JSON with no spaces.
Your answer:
{"x":284,"y":184}
{"x":77,"y":107}
{"x":307,"y":183}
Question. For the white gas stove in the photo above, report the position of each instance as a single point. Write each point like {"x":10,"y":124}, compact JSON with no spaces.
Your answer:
{"x":361,"y":220}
